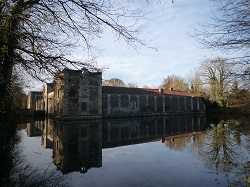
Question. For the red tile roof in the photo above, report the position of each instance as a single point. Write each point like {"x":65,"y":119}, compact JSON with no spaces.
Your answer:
{"x":143,"y":91}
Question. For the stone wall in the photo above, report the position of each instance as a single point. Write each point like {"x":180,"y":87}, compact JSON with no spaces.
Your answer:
{"x":50,"y":104}
{"x":78,"y":93}
{"x":33,"y":97}
{"x":118,"y":104}
{"x":48,"y":98}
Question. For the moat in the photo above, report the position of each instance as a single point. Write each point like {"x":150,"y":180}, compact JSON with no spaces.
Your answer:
{"x":162,"y":151}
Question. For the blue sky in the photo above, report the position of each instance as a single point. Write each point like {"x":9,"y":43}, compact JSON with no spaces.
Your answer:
{"x":168,"y":29}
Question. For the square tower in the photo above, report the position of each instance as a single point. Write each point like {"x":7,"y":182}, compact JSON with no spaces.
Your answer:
{"x":78,"y":93}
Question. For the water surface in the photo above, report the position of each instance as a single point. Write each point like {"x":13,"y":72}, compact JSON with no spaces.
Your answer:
{"x":169,"y":151}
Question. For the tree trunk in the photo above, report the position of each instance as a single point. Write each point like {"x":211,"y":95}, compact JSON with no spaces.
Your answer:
{"x":6,"y":99}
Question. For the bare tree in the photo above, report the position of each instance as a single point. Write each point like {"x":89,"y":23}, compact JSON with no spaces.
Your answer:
{"x":145,"y":86}
{"x":240,"y":101}
{"x":132,"y":85}
{"x":38,"y":36}
{"x":246,"y":79}
{"x":174,"y":82}
{"x":229,"y":29}
{"x":194,"y":79}
{"x":215,"y":73}
{"x":114,"y":82}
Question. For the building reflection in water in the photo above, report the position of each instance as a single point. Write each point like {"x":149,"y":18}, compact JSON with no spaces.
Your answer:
{"x":34,"y":128}
{"x":126,"y":132}
{"x":44,"y":129}
{"x":78,"y":146}
{"x":47,"y":134}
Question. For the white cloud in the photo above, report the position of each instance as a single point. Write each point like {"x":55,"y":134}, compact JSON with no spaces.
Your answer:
{"x":167,"y":29}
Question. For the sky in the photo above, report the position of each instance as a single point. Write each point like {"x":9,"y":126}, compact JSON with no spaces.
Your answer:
{"x":168,"y":29}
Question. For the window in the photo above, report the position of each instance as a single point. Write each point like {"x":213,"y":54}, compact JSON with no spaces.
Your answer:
{"x":133,"y":105}
{"x":84,"y":106}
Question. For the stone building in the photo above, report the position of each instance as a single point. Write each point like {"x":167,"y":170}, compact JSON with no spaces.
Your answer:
{"x":77,"y":94}
{"x":120,"y":101}
{"x":80,"y":94}
{"x":34,"y":100}
{"x":48,"y":97}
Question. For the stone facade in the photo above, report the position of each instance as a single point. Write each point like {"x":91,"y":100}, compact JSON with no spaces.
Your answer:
{"x":35,"y":100}
{"x":80,"y":94}
{"x":48,"y":97}
{"x":136,"y":101}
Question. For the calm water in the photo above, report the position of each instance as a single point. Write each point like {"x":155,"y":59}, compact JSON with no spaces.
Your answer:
{"x":176,"y":151}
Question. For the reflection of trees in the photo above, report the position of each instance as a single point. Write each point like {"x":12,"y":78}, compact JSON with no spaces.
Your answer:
{"x":196,"y":140}
{"x":242,"y":128}
{"x":23,"y":174}
{"x":221,"y":149}
{"x":15,"y":170}
{"x":7,"y":145}
{"x":198,"y":143}
{"x":178,"y":144}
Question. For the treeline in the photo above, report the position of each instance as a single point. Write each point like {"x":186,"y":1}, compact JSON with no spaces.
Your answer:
{"x":222,"y":82}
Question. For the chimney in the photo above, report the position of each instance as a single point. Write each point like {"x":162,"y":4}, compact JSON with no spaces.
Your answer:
{"x":160,"y":91}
